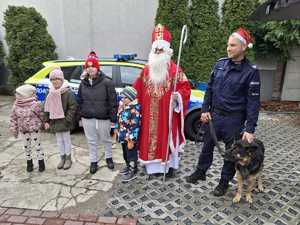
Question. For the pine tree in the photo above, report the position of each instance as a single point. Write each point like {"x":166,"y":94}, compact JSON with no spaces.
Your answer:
{"x":174,"y":14}
{"x":28,"y":41}
{"x":2,"y":54}
{"x":205,"y":39}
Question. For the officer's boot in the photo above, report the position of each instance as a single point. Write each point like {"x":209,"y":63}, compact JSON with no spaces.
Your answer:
{"x":29,"y":166}
{"x":194,"y":177}
{"x":41,"y":165}
{"x":222,"y":187}
{"x":61,"y":162}
{"x":68,"y":162}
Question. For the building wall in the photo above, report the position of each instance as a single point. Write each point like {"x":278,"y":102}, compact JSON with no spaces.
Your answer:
{"x":106,"y":26}
{"x":291,"y":84}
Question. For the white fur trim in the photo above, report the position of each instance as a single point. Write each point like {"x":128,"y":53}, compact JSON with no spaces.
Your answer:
{"x":242,"y":39}
{"x":160,"y":44}
{"x":180,"y":106}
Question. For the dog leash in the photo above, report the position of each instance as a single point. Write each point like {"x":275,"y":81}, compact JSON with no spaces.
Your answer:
{"x":214,"y":137}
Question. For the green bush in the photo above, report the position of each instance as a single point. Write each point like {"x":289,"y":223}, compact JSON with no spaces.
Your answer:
{"x":28,"y":41}
{"x":204,"y":39}
{"x":2,"y":54}
{"x":277,"y":38}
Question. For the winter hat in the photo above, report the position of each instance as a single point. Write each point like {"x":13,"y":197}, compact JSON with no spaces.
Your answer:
{"x":92,"y":61}
{"x":56,"y":73}
{"x":244,"y":36}
{"x":129,"y":92}
{"x":161,"y":37}
{"x":26,"y":91}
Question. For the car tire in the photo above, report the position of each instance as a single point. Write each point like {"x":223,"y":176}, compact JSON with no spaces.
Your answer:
{"x":192,"y":125}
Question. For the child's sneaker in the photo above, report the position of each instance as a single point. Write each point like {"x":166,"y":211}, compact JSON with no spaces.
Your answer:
{"x":125,"y":170}
{"x":129,"y":176}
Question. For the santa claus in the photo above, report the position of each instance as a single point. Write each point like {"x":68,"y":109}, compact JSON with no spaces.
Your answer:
{"x":163,"y":109}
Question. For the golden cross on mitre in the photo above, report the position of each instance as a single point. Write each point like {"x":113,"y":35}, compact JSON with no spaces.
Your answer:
{"x":159,"y":31}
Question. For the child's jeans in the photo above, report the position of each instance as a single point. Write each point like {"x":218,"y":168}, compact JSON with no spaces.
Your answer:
{"x":63,"y":140}
{"x":130,"y":155}
{"x":31,"y":141}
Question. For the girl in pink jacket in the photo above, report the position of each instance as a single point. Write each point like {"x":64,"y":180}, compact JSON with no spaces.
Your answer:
{"x":26,"y":119}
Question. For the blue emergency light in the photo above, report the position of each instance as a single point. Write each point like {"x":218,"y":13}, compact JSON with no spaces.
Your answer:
{"x":124,"y":57}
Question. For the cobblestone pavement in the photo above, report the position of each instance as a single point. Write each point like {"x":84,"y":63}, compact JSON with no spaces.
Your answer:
{"x":181,"y":203}
{"x":75,"y":191}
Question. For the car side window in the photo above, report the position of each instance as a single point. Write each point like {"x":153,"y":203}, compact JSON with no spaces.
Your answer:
{"x":107,"y":70}
{"x":129,"y":74}
{"x":72,"y":72}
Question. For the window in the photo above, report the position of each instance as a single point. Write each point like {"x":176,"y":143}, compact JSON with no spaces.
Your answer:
{"x":129,"y":74}
{"x":107,"y":70}
{"x":72,"y":72}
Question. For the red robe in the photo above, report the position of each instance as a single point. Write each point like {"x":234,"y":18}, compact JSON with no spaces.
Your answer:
{"x":155,"y":104}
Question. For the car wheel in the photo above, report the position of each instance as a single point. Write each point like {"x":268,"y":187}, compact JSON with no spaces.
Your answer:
{"x":192,"y":125}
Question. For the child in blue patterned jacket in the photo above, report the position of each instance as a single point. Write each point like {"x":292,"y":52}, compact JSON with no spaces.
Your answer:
{"x":129,"y":119}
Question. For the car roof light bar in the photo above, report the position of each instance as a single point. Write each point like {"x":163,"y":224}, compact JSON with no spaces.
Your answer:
{"x":124,"y":57}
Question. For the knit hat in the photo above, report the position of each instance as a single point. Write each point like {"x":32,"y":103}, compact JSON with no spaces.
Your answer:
{"x":92,"y":61}
{"x":26,"y":91}
{"x":244,"y":36}
{"x":129,"y":92}
{"x":56,"y":73}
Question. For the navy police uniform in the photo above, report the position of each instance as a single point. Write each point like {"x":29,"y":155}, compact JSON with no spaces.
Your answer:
{"x":233,"y":99}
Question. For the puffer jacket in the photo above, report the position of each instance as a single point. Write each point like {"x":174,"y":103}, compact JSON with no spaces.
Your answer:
{"x":69,"y":106}
{"x":99,"y":100}
{"x":26,"y":116}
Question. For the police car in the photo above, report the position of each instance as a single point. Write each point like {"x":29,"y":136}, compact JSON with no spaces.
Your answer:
{"x":123,"y":70}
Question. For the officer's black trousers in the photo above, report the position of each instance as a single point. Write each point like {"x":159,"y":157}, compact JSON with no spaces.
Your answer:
{"x":226,"y":127}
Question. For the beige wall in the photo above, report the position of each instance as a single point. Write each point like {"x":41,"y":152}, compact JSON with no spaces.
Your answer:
{"x":291,"y":84}
{"x":106,"y":26}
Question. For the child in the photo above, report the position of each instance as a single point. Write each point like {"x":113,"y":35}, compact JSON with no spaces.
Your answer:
{"x":26,"y":118}
{"x":128,"y":130}
{"x":60,"y":107}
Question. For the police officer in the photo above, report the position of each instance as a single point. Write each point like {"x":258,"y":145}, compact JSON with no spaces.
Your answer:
{"x":231,"y":101}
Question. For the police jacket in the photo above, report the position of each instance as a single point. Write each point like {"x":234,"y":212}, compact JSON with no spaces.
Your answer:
{"x":98,"y":99}
{"x":234,"y":88}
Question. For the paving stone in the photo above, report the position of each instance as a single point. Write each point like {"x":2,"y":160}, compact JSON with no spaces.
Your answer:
{"x":72,"y":222}
{"x":69,"y":216}
{"x":29,"y":213}
{"x":112,"y":220}
{"x":54,"y":222}
{"x":50,"y":214}
{"x":88,"y":218}
{"x":37,"y":221}
{"x":13,"y":211}
{"x":2,"y":210}
{"x":126,"y":221}
{"x":17,"y":219}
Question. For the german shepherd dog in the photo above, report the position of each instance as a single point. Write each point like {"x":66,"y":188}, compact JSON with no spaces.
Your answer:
{"x":248,"y":159}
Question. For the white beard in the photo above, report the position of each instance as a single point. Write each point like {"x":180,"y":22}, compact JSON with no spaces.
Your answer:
{"x":158,"y":67}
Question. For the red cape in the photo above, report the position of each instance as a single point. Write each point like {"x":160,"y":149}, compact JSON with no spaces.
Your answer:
{"x":155,"y":104}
